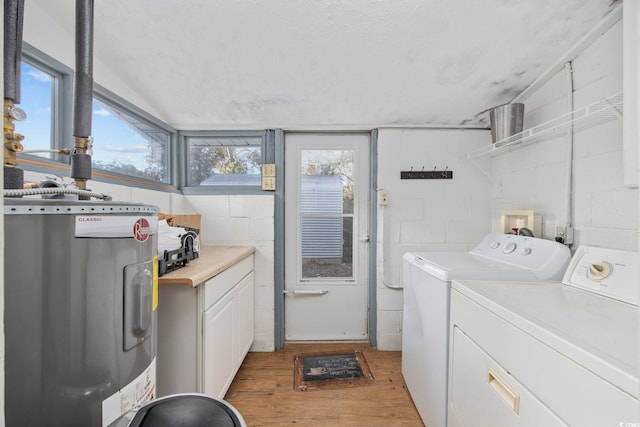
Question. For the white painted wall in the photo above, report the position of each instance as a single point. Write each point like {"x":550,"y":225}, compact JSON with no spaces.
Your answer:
{"x":59,"y":43}
{"x":455,"y":215}
{"x":425,"y":215}
{"x":603,"y":211}
{"x":244,"y":221}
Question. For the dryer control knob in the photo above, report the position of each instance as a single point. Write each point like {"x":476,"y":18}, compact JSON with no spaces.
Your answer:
{"x":525,"y":251}
{"x":495,"y":245}
{"x":599,"y":272}
{"x":509,"y":248}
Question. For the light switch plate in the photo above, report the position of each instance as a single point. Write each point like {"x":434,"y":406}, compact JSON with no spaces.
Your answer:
{"x":269,"y":183}
{"x":268,"y":169}
{"x":269,"y":176}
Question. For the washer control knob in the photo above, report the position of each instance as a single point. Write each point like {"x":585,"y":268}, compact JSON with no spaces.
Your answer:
{"x":510,"y":247}
{"x":525,"y":251}
{"x":495,"y":245}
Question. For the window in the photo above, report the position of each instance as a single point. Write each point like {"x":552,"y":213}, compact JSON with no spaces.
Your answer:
{"x":37,"y":94}
{"x":225,"y":159}
{"x":130,"y":146}
{"x":127,"y":140}
{"x":126,"y":143}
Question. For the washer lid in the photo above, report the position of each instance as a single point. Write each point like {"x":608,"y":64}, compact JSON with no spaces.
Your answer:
{"x":596,"y":332}
{"x":498,"y":256}
{"x":448,"y":266}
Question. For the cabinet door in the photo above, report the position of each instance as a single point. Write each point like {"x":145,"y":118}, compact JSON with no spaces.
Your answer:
{"x":218,"y":347}
{"x":178,"y":339}
{"x":243,"y":321}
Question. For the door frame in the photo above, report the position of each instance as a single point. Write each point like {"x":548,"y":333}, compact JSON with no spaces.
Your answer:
{"x":279,"y":336}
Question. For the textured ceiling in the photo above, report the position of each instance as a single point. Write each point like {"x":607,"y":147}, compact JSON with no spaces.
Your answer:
{"x":349,"y":63}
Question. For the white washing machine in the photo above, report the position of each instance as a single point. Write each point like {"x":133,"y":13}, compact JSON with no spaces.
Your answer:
{"x":427,"y":288}
{"x":548,"y":354}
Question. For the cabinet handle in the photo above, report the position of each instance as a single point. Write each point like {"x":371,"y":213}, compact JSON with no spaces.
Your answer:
{"x":504,"y":391}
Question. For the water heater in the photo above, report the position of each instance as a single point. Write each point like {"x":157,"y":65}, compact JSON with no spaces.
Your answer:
{"x":80,"y":299}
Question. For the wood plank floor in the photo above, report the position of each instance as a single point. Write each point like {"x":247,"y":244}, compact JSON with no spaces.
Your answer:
{"x":263,"y":392}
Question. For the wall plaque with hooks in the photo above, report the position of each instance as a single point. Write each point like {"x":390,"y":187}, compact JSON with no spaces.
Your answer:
{"x":423,"y":174}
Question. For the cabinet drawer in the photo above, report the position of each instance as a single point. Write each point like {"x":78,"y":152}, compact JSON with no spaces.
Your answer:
{"x":483,"y":394}
{"x":220,"y":284}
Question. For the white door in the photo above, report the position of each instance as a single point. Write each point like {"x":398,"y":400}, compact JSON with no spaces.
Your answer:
{"x":326,"y":236}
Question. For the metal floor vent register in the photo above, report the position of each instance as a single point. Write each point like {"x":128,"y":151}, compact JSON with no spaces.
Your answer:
{"x":323,"y":371}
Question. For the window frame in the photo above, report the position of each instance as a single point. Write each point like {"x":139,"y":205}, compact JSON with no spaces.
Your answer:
{"x":62,"y":127}
{"x":61,"y":102}
{"x":177,"y":149}
{"x":116,"y":102}
{"x":267,"y":153}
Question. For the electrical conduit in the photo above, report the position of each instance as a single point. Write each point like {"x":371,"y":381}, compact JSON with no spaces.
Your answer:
{"x":398,"y":286}
{"x":568,"y":214}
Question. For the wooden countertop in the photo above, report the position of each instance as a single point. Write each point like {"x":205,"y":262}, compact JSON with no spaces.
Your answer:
{"x":212,"y":260}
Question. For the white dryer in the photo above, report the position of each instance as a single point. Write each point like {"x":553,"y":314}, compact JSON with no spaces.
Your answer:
{"x":548,"y":353}
{"x":427,"y":288}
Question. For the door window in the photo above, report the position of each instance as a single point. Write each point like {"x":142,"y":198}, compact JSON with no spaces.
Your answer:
{"x":326,"y":209}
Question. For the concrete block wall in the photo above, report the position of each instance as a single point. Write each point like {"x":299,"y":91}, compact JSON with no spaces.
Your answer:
{"x":595,"y":201}
{"x":425,"y":215}
{"x":244,"y":221}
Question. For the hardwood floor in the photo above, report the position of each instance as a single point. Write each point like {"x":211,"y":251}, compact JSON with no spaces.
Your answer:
{"x":263,"y":392}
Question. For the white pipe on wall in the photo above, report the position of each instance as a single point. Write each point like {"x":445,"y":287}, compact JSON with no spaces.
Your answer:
{"x":568,"y":216}
{"x":380,"y":242}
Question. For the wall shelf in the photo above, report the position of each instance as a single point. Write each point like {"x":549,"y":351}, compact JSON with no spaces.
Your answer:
{"x":605,"y":110}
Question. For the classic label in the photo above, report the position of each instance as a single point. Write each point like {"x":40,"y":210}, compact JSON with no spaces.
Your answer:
{"x":113,"y":226}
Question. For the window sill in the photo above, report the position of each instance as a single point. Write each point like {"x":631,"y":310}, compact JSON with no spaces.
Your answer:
{"x":51,"y":167}
{"x":215,"y":190}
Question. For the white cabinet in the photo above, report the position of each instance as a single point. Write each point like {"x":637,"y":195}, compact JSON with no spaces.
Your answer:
{"x":205,"y":332}
{"x":228,"y":321}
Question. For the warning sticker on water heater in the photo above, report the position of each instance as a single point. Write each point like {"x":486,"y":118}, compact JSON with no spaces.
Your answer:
{"x":135,"y":394}
{"x":113,"y":226}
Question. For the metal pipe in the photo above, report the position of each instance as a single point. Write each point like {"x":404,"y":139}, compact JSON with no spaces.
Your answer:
{"x":83,"y":94}
{"x":56,"y":191}
{"x":568,"y":214}
{"x":83,"y":77}
{"x":12,"y":141}
{"x":13,"y":19}
{"x":65,"y":151}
